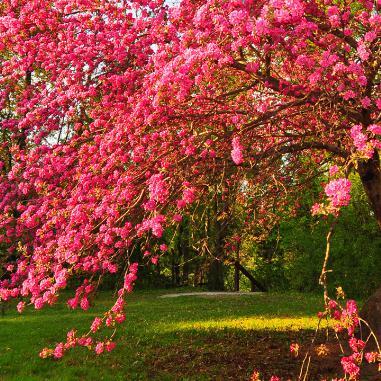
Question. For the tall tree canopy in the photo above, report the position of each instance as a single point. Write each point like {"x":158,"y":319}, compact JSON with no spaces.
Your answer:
{"x":116,"y":116}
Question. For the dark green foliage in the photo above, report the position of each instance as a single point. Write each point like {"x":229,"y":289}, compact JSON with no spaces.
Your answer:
{"x":294,"y":261}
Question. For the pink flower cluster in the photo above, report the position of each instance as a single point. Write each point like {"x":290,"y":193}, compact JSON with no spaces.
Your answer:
{"x":347,"y":319}
{"x":157,"y":188}
{"x":72,"y":341}
{"x":130,"y":277}
{"x":188,"y":196}
{"x":361,"y":142}
{"x":338,"y":192}
{"x":154,"y":224}
{"x":236,"y":152}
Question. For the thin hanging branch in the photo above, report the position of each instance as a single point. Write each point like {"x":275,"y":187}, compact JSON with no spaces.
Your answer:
{"x":323,"y":276}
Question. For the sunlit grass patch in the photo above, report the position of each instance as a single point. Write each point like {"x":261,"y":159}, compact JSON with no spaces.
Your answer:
{"x":245,"y":323}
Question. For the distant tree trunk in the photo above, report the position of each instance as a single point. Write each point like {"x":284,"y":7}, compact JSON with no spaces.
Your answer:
{"x":216,"y":276}
{"x":175,"y":271}
{"x":254,"y":283}
{"x":184,"y":255}
{"x":370,"y":174}
{"x":185,"y":274}
{"x":236,"y":273}
{"x":216,"y":268}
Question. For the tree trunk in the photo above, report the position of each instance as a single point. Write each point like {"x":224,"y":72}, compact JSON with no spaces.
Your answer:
{"x":236,"y":274}
{"x":254,"y":283}
{"x":175,"y":271}
{"x":216,"y":268}
{"x":184,"y":254}
{"x":370,"y":174}
{"x":216,"y":276}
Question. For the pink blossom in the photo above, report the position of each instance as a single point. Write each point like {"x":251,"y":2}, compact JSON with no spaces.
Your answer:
{"x":363,"y":52}
{"x":85,"y":304}
{"x":59,"y":351}
{"x":38,"y":303}
{"x":375,"y":129}
{"x":338,"y":192}
{"x":110,"y":345}
{"x":71,"y":339}
{"x":294,"y":349}
{"x":350,"y":94}
{"x":252,"y":67}
{"x":10,"y":267}
{"x":361,"y":142}
{"x":332,"y":304}
{"x":177,"y":218}
{"x":356,"y":345}
{"x":158,"y":188}
{"x":73,"y":303}
{"x":130,"y":277}
{"x":85,"y":341}
{"x":370,"y":36}
{"x":46,"y":352}
{"x":109,"y":321}
{"x":351,"y":307}
{"x":366,"y":102}
{"x":316,"y":209}
{"x":333,"y":170}
{"x":371,"y":357}
{"x":20,"y":307}
{"x":349,"y":317}
{"x":181,"y":204}
{"x":120,"y":318}
{"x":189,"y":195}
{"x":96,"y":324}
{"x":236,"y":152}
{"x":99,"y":348}
{"x":337,"y":314}
{"x":118,"y":306}
{"x":315,"y":77}
{"x":350,"y":367}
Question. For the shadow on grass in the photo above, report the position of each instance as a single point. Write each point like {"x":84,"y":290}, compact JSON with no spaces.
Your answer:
{"x":231,"y":355}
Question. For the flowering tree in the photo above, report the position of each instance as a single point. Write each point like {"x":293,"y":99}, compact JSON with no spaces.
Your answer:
{"x":117,"y":116}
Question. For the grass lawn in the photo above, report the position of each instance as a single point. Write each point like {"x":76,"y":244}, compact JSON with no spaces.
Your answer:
{"x":184,"y":338}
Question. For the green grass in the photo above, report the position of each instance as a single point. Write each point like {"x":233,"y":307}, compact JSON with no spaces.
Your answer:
{"x":184,"y":338}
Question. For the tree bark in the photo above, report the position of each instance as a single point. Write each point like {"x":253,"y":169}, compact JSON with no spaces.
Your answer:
{"x":254,"y":283}
{"x":184,"y":254}
{"x":216,"y":268}
{"x":370,"y":174}
{"x":216,"y":276}
{"x":236,"y":274}
{"x":175,"y":271}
